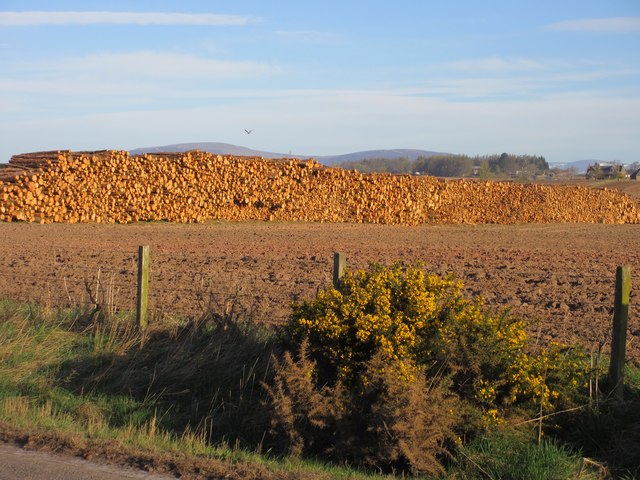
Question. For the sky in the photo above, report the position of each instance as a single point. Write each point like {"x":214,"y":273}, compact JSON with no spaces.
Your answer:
{"x":557,"y":78}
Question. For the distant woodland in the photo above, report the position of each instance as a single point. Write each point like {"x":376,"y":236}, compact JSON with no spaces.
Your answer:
{"x":447,"y":165}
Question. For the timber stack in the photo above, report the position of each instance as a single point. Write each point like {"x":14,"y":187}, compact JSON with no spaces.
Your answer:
{"x":114,"y":187}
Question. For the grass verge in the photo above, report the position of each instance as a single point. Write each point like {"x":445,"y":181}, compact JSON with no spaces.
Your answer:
{"x":188,"y":398}
{"x":76,"y":383}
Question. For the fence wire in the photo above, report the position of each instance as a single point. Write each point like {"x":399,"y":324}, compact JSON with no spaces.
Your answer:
{"x":265,"y":287}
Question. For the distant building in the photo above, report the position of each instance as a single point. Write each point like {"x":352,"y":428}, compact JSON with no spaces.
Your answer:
{"x":605,"y":171}
{"x":634,"y":175}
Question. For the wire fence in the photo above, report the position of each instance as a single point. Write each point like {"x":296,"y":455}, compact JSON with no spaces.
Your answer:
{"x":189,"y":284}
{"x":83,"y":278}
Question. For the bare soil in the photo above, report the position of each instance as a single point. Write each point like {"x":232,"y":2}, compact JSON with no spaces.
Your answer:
{"x":560,"y":276}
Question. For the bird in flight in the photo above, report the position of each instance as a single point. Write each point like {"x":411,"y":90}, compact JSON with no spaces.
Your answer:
{"x":248,"y":131}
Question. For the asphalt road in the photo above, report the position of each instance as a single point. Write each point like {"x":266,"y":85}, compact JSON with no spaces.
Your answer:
{"x":19,"y":464}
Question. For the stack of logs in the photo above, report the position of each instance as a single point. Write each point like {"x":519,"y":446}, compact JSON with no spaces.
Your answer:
{"x":114,"y":187}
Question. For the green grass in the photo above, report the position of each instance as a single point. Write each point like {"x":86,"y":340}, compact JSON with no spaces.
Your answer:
{"x":509,"y":456}
{"x":610,"y":433}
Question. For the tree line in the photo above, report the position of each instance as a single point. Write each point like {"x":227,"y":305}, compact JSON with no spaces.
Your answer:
{"x":451,"y":165}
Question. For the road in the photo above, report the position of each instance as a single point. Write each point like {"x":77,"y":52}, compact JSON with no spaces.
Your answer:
{"x":20,"y":464}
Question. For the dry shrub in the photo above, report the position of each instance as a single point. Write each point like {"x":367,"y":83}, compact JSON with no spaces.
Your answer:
{"x":412,"y":422}
{"x":305,"y":417}
{"x":390,"y":423}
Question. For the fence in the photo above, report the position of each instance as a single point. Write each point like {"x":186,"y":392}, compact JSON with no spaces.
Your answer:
{"x":185,"y":283}
{"x":619,"y":334}
{"x":182,"y":283}
{"x":191,"y":282}
{"x":619,"y":328}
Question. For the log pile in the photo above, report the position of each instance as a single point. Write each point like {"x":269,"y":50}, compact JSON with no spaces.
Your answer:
{"x":114,"y":187}
{"x":26,"y":163}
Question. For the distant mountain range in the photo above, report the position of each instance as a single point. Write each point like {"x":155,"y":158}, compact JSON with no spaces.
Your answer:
{"x":214,"y":147}
{"x":580,"y":165}
{"x":229,"y":149}
{"x":409,"y":153}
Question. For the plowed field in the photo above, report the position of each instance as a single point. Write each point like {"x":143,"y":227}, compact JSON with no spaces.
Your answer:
{"x":561,"y":276}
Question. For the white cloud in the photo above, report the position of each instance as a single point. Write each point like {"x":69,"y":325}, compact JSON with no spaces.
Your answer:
{"x":123,"y":81}
{"x":150,"y":77}
{"x":500,"y":65}
{"x":126,"y":68}
{"x":534,"y":84}
{"x":518,"y":77}
{"x":607,"y":25}
{"x":161,"y":65}
{"x":495,"y":64}
{"x":22,"y":19}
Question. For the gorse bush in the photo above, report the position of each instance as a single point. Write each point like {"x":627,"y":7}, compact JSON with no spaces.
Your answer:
{"x":492,"y":362}
{"x":423,"y":321}
{"x":381,"y":311}
{"x":387,"y":336}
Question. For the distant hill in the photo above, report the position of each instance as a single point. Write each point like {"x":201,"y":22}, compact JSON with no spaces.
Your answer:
{"x":580,"y":165}
{"x":408,"y":153}
{"x":411,"y":154}
{"x":229,"y":149}
{"x":214,"y":147}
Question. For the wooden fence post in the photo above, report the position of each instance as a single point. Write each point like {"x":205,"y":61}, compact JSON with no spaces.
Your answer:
{"x":339,"y":264}
{"x":143,"y":286}
{"x":619,"y":336}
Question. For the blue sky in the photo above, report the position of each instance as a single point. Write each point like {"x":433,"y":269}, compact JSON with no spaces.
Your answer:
{"x":555,"y":78}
